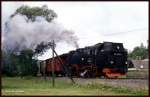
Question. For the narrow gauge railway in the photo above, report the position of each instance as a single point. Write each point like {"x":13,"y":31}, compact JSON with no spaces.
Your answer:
{"x":106,"y":59}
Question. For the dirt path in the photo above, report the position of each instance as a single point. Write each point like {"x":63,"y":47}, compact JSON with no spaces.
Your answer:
{"x":137,"y":84}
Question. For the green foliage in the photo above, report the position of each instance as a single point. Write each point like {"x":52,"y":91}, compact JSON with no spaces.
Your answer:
{"x":32,"y":12}
{"x":9,"y":64}
{"x":16,"y":65}
{"x":139,"y":52}
{"x":28,"y":65}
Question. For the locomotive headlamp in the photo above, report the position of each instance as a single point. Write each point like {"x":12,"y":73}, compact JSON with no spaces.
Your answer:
{"x":82,"y":59}
{"x":118,"y":47}
{"x":126,"y":62}
{"x":111,"y":62}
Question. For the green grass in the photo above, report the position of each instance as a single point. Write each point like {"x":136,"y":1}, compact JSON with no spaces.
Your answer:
{"x":39,"y":86}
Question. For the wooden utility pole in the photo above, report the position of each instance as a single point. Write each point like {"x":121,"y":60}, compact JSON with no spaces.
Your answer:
{"x":44,"y":70}
{"x":66,"y":68}
{"x":53,"y":76}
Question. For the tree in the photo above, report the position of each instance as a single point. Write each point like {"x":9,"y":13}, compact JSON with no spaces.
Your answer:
{"x":19,"y":65}
{"x":32,"y":12}
{"x":28,"y":65}
{"x":9,"y":64}
{"x":139,"y":52}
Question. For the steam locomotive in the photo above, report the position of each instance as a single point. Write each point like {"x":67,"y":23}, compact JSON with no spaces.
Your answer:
{"x":107,"y":59}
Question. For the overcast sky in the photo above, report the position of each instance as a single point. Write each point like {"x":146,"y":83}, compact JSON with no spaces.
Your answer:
{"x":94,"y":22}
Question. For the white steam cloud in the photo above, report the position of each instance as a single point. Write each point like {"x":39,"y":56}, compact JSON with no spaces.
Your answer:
{"x":20,"y":34}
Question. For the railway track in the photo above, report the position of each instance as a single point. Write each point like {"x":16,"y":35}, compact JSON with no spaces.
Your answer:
{"x":133,"y":83}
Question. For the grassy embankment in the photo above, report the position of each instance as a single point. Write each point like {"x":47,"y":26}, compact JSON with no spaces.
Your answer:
{"x":39,"y":86}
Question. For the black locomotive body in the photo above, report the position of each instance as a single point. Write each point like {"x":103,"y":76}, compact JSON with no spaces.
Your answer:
{"x":106,"y":59}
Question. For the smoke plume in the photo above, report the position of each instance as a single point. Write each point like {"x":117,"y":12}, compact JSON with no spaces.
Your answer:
{"x":20,"y":34}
